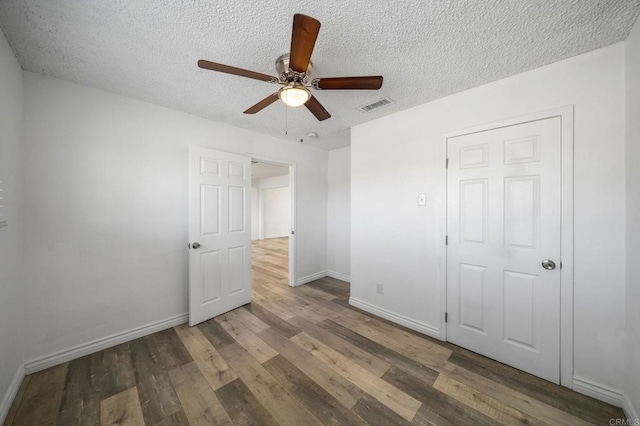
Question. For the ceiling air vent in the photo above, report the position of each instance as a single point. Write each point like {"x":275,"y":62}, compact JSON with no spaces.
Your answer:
{"x":379,"y":104}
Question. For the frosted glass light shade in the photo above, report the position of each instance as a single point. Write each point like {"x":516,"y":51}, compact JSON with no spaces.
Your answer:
{"x":294,"y":96}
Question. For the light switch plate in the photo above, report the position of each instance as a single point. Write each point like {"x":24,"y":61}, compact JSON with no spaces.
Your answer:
{"x":422,"y":199}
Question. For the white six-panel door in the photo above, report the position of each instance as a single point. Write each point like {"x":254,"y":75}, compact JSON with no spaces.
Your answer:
{"x":503,"y":223}
{"x":219,"y":233}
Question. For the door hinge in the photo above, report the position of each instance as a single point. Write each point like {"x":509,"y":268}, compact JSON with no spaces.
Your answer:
{"x":293,"y":232}
{"x":446,"y":163}
{"x":446,"y":316}
{"x":446,"y":240}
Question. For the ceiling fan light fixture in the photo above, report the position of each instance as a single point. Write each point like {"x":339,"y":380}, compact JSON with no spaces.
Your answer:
{"x":294,"y":95}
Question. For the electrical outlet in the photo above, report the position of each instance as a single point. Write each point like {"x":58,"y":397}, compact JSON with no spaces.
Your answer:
{"x":379,"y":289}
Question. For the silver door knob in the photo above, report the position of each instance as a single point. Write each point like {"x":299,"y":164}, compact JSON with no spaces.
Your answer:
{"x":548,"y":264}
{"x":196,"y":245}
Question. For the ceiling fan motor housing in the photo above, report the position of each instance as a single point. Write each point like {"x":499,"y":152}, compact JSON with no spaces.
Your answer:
{"x":290,"y":76}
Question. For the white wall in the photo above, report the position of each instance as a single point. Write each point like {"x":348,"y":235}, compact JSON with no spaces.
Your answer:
{"x":632,"y":343}
{"x":11,"y":238}
{"x":280,"y":225}
{"x":274,"y":182}
{"x":339,"y":214}
{"x":255,"y":209}
{"x":276,"y":211}
{"x":399,"y":244}
{"x":106,"y":209}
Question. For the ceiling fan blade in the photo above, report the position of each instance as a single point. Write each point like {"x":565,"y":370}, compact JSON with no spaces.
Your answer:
{"x":263,"y":104}
{"x":317,"y":109}
{"x":303,"y":39}
{"x":213,"y":66}
{"x":373,"y":82}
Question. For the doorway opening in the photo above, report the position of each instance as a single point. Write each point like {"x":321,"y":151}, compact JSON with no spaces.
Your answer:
{"x":272,"y":223}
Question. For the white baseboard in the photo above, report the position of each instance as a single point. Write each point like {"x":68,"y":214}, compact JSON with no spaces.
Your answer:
{"x":66,"y":355}
{"x":598,"y":391}
{"x":628,"y":408}
{"x":418,"y":326}
{"x":339,"y":276}
{"x":14,"y":386}
{"x":312,"y":277}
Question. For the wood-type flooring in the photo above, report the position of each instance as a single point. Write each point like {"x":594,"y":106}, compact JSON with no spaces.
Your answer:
{"x":294,"y":356}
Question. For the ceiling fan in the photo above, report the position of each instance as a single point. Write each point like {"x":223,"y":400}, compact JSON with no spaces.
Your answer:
{"x":295,"y":73}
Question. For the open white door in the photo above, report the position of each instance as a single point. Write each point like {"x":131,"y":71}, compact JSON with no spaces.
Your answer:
{"x":219,"y":233}
{"x":503,"y":255}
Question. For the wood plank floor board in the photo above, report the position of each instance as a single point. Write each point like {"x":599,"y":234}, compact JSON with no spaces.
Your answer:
{"x":316,"y":293}
{"x":169,"y":349}
{"x":278,"y":402}
{"x":341,"y":301}
{"x":482,"y":403}
{"x":152,"y":359}
{"x":268,"y":273}
{"x":245,"y":317}
{"x":272,"y":305}
{"x":198,"y":400}
{"x":428,"y":415}
{"x":303,"y":297}
{"x":411,"y":341}
{"x":392,"y":357}
{"x":322,"y":307}
{"x":295,"y":306}
{"x":176,"y":419}
{"x":283,"y":327}
{"x":361,"y":357}
{"x":403,"y":404}
{"x":158,"y":399}
{"x":242,"y":406}
{"x":217,"y":335}
{"x":82,"y":393}
{"x":336,"y":385}
{"x":116,"y":367}
{"x":275,"y":287}
{"x":328,"y":307}
{"x":511,"y":397}
{"x":345,"y":302}
{"x":324,"y":406}
{"x":375,"y":413}
{"x":158,"y":353}
{"x":40,"y":404}
{"x":298,"y":355}
{"x":436,"y":406}
{"x":214,"y":368}
{"x":261,"y":351}
{"x":562,"y":398}
{"x":331,"y":285}
{"x":398,"y":343}
{"x":122,"y":409}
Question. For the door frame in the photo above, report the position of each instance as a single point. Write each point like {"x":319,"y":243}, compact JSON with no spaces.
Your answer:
{"x":293,"y":190}
{"x":566,"y":115}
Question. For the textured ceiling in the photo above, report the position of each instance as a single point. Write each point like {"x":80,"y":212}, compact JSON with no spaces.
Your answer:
{"x":424,"y":49}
